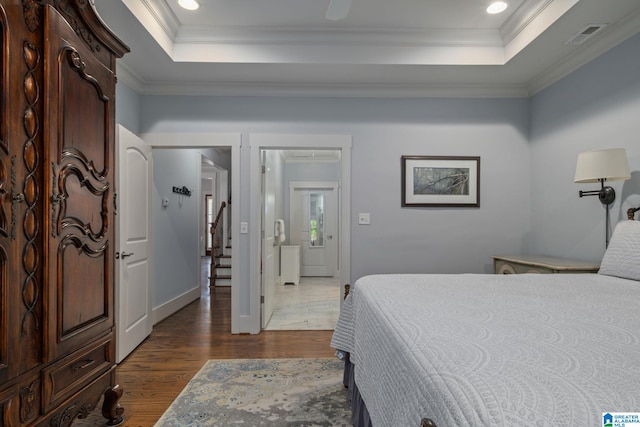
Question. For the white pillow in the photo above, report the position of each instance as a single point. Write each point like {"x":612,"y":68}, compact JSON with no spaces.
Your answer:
{"x":622,"y":257}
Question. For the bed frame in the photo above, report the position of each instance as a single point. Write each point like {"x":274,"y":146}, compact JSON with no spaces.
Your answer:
{"x":427,"y":422}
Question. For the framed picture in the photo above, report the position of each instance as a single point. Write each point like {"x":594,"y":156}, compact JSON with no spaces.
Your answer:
{"x":441,"y":181}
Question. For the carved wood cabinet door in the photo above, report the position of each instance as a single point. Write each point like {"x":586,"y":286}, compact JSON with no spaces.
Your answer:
{"x":79,"y":159}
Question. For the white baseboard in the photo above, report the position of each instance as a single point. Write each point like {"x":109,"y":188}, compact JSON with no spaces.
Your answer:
{"x":170,"y":307}
{"x":247,"y":325}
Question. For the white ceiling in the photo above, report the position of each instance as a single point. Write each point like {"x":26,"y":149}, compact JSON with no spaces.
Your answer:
{"x":408,"y":48}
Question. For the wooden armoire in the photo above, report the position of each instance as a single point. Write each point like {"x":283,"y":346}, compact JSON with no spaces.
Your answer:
{"x":57,"y":213}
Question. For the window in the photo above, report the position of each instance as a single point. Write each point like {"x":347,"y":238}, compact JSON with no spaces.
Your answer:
{"x":209,"y":217}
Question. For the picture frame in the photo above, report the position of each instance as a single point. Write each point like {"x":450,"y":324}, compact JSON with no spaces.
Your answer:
{"x":441,"y":181}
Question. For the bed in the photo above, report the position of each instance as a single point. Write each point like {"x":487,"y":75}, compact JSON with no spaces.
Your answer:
{"x":496,"y":350}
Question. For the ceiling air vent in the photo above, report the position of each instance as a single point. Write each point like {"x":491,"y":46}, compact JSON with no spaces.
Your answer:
{"x":586,"y":33}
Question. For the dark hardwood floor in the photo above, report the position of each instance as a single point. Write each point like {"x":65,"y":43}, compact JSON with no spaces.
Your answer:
{"x":155,"y":373}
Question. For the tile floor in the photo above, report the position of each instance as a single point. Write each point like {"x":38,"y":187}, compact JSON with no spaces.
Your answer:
{"x":314,"y":304}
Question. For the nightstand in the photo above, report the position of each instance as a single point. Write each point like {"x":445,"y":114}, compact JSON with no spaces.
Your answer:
{"x":518,"y":264}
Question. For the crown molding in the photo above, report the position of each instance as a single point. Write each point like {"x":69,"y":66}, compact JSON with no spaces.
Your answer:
{"x":129,"y":78}
{"x":261,"y":35}
{"x":610,"y":37}
{"x":522,"y":18}
{"x":336,"y":90}
{"x":164,"y":16}
{"x":157,"y":19}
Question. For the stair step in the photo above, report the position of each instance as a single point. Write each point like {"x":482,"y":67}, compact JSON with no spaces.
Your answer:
{"x":222,"y":280}
{"x":222,"y":265}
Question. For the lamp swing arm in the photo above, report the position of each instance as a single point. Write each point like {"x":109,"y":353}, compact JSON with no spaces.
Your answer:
{"x":606,"y":194}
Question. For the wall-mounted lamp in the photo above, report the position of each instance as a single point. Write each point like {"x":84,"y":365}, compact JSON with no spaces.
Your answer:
{"x":600,"y":166}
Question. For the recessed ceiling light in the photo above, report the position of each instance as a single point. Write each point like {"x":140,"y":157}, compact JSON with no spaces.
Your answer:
{"x":189,"y":4}
{"x":497,"y":7}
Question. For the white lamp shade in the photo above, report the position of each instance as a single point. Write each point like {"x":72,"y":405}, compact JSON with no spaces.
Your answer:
{"x":610,"y":164}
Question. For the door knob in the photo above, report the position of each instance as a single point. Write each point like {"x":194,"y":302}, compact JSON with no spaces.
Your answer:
{"x":123,"y":254}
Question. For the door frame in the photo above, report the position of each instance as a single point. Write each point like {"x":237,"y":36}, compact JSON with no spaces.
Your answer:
{"x":221,"y":193}
{"x":208,"y":140}
{"x":313,"y":185}
{"x":260,"y":141}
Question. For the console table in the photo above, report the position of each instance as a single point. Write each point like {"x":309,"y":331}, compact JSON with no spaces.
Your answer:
{"x":518,"y":264}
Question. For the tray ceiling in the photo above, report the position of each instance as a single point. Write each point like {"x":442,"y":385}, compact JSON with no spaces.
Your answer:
{"x":404,"y":48}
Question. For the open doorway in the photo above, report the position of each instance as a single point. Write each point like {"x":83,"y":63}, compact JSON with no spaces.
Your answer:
{"x":188,"y":234}
{"x":215,"y":242}
{"x":300,"y":229}
{"x":314,"y":225}
{"x":319,"y":251}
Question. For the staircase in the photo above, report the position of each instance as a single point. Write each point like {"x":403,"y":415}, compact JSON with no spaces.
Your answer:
{"x":222,"y":274}
{"x":220,"y":271}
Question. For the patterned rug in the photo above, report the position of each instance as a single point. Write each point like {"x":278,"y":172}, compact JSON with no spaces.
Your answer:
{"x":262,"y":392}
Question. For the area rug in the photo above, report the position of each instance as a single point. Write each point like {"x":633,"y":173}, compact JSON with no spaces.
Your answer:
{"x":262,"y":392}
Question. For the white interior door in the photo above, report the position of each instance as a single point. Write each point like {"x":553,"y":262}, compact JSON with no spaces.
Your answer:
{"x":313,"y":213}
{"x":268,"y":240}
{"x":133,"y":245}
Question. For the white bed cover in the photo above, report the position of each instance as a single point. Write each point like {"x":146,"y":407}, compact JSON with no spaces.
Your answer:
{"x":493,"y":350}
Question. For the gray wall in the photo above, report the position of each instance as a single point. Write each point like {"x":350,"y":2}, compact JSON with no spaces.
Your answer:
{"x":398,"y":239}
{"x":128,"y":108}
{"x":596,"y":107}
{"x":528,"y":148}
{"x":176,"y":231}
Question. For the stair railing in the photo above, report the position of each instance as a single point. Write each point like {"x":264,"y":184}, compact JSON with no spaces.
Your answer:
{"x":217,"y":245}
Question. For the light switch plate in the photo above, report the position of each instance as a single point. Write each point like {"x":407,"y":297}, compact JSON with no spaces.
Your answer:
{"x":244,"y":227}
{"x":364,"y":218}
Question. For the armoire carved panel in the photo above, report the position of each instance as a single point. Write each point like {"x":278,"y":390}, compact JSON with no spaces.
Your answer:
{"x":80,"y":155}
{"x":57,"y":109}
